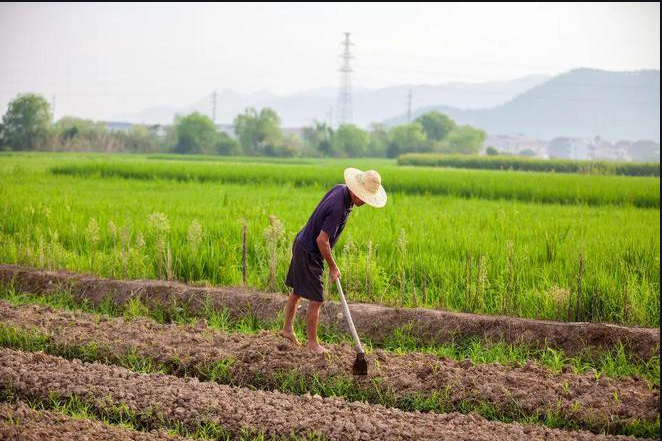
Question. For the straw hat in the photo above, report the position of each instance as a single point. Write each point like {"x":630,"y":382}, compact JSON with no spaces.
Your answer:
{"x":367,"y":186}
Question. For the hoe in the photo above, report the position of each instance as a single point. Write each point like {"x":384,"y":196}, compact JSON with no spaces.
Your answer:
{"x":360,"y":366}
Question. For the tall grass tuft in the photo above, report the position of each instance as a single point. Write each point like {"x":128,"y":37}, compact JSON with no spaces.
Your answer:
{"x":159,"y":227}
{"x":402,"y":248}
{"x":273,"y":235}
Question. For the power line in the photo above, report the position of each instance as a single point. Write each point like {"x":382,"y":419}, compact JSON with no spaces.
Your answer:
{"x":397,"y":70}
{"x":392,"y":55}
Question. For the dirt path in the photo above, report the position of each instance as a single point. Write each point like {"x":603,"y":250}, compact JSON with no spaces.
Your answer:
{"x":18,"y":422}
{"x":159,"y":397}
{"x":374,"y":321}
{"x":259,"y":359}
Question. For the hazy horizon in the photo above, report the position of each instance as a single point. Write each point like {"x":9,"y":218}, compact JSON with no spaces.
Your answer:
{"x":101,"y":60}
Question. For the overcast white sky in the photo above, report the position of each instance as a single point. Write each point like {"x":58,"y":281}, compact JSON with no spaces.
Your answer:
{"x":105,"y":59}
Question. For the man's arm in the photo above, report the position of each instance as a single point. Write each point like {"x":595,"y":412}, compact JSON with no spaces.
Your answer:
{"x":325,"y":249}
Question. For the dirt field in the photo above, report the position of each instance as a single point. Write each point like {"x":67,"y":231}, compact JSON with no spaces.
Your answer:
{"x":374,"y":321}
{"x":245,"y":398}
{"x":261,"y":358}
{"x":159,"y":398}
{"x":18,"y":422}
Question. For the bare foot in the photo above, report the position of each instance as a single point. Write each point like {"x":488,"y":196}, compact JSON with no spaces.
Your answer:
{"x":316,"y":348}
{"x":290,"y":335}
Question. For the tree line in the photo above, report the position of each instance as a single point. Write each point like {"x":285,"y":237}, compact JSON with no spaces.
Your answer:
{"x":27,"y":125}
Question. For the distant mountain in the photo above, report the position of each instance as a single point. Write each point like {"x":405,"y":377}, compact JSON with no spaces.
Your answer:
{"x":378,"y":105}
{"x":226,"y":100}
{"x":580,"y":103}
{"x":369,"y":105}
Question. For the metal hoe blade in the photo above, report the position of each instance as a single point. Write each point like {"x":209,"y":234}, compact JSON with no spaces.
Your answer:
{"x":360,"y":366}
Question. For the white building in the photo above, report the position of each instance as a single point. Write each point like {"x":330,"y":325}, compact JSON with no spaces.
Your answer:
{"x":114,"y":126}
{"x":570,"y":148}
{"x":516,"y":145}
{"x":606,"y":151}
{"x":643,"y":151}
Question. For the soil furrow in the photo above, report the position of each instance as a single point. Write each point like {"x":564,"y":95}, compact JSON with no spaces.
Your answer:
{"x":261,"y":361}
{"x":373,"y":321}
{"x":157,"y":398}
{"x":19,"y":422}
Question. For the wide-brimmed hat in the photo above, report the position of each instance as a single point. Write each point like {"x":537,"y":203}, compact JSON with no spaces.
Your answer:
{"x":367,"y":186}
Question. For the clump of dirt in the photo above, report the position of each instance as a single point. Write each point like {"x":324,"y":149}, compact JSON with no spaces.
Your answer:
{"x":373,"y":321}
{"x":19,"y":422}
{"x":159,"y":398}
{"x":257,"y":359}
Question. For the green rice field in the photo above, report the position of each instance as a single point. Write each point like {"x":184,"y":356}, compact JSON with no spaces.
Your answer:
{"x":540,"y":245}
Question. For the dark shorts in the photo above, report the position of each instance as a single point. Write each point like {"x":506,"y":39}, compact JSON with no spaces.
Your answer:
{"x":305,"y":274}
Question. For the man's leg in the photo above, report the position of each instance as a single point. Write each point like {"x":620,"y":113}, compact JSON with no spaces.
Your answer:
{"x":290,"y":310}
{"x":312,"y":318}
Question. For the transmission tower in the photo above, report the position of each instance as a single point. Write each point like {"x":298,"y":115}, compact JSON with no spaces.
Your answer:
{"x":409,"y":106}
{"x":53,"y":107}
{"x":213,"y":107}
{"x":345,"y":92}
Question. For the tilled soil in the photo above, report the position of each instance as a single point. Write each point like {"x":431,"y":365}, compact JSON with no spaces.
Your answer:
{"x":258,"y":359}
{"x":18,"y":422}
{"x":163,"y":397}
{"x":373,"y":321}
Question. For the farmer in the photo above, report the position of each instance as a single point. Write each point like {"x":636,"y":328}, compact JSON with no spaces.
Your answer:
{"x":315,"y":242}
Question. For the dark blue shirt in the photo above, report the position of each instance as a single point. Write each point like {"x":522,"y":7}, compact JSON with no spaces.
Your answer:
{"x":329,"y":216}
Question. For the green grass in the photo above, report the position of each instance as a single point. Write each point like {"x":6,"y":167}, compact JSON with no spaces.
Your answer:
{"x":530,"y":164}
{"x":615,"y":363}
{"x":467,"y":254}
{"x":530,"y":187}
